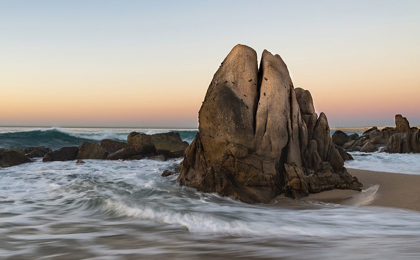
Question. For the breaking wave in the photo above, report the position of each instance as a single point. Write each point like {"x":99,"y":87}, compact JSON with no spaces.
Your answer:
{"x":56,"y":138}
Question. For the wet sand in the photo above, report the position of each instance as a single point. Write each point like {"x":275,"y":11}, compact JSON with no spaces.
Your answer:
{"x":393,"y":190}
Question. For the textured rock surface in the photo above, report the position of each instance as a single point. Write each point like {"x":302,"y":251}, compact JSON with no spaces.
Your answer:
{"x":91,"y":151}
{"x":399,"y":139}
{"x":345,"y":155}
{"x":141,"y":142}
{"x":167,"y":173}
{"x":11,"y":158}
{"x":2,"y":150}
{"x":169,"y":144}
{"x":122,"y":154}
{"x":259,"y":137}
{"x":166,"y":137}
{"x":40,"y":151}
{"x":62,"y":154}
{"x":404,"y":142}
{"x":340,"y":138}
{"x":112,"y":146}
{"x":401,"y":123}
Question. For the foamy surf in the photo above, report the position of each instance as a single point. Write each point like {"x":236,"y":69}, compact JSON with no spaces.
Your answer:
{"x":385,"y":162}
{"x":363,"y":198}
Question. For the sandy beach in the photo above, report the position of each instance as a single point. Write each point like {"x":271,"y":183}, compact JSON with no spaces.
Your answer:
{"x":386,"y":190}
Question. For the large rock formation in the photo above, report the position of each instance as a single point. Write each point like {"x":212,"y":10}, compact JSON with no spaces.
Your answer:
{"x":259,"y":137}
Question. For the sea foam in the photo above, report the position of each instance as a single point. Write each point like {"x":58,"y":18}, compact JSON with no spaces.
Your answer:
{"x":106,"y":207}
{"x":385,"y":162}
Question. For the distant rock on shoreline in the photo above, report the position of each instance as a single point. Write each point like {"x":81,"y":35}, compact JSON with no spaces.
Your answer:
{"x":399,"y":139}
{"x":138,"y":146}
{"x":260,"y":137}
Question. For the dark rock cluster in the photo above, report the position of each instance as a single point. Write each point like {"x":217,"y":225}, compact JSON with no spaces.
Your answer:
{"x":158,"y":146}
{"x":260,"y":137}
{"x":12,"y":157}
{"x":399,"y":139}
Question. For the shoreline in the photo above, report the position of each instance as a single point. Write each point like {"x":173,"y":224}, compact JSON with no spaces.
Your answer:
{"x":383,"y":189}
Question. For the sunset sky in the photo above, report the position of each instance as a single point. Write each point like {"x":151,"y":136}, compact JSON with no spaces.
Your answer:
{"x":149,"y":63}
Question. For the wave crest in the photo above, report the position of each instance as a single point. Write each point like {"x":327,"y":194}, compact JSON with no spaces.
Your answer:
{"x":57,"y":137}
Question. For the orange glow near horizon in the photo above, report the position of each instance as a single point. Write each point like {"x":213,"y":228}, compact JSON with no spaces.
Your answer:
{"x":120,"y":105}
{"x":135,"y":106}
{"x":137,"y":101}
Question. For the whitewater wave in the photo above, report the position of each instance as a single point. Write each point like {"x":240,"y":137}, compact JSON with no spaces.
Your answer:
{"x":251,"y":222}
{"x":107,"y":204}
{"x":52,"y":138}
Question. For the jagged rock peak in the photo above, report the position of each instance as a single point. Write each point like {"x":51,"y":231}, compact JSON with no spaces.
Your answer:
{"x":402,"y":123}
{"x":259,"y":137}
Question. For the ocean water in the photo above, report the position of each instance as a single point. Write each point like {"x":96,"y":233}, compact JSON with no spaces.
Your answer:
{"x":126,"y":210}
{"x":385,"y":162}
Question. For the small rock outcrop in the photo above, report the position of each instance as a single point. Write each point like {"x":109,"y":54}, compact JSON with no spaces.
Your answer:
{"x":340,"y":138}
{"x":160,"y":146}
{"x":399,"y":139}
{"x":142,"y":143}
{"x":91,"y":151}
{"x":402,"y":124}
{"x":80,"y":161}
{"x":169,"y":144}
{"x":10,"y":157}
{"x":260,"y":137}
{"x":112,"y":146}
{"x":62,"y":154}
{"x":167,"y":173}
{"x":33,"y":152}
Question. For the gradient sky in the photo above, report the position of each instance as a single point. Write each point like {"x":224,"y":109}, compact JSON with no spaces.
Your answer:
{"x":149,"y":63}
